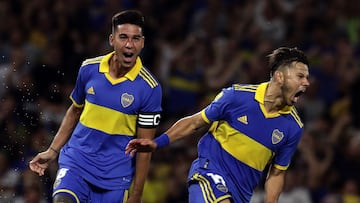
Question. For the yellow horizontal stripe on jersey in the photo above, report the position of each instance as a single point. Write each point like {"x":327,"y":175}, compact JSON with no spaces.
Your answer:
{"x":108,"y":120}
{"x":242,"y":147}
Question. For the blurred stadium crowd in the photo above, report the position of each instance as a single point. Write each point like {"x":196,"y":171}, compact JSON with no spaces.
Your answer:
{"x":194,"y":47}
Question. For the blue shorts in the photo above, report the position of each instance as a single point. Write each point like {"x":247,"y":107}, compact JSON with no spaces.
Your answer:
{"x":71,"y":184}
{"x":207,"y":187}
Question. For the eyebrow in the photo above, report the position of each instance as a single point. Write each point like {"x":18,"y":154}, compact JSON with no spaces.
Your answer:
{"x":129,"y":35}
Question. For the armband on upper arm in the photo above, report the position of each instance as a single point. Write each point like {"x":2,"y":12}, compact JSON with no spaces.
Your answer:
{"x":149,"y":120}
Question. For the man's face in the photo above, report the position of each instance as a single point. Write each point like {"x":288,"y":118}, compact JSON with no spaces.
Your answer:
{"x":296,"y":81}
{"x":128,"y":41}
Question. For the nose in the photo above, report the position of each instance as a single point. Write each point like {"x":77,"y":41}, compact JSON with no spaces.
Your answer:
{"x":129,"y":43}
{"x":306,"y":82}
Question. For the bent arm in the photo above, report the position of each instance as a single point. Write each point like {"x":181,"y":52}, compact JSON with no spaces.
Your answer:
{"x":182,"y":128}
{"x":186,"y":126}
{"x":68,"y":124}
{"x":274,"y":184}
{"x":42,"y":160}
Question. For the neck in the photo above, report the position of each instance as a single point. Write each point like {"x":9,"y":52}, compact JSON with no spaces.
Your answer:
{"x":116,"y":70}
{"x":273,"y":100}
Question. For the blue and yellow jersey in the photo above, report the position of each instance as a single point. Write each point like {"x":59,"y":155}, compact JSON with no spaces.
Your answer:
{"x":113,"y":109}
{"x":244,"y":138}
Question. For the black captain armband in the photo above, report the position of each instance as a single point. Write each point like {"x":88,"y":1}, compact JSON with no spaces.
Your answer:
{"x":148,"y":120}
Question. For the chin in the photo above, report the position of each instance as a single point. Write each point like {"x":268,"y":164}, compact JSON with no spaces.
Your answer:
{"x":291,"y":103}
{"x":128,"y":65}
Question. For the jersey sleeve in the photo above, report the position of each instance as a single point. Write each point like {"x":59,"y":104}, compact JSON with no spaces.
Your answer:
{"x":78,"y":93}
{"x":216,"y":110}
{"x":283,"y":157}
{"x":150,"y":113}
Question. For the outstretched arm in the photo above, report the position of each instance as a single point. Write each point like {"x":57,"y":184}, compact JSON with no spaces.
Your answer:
{"x":182,"y":128}
{"x":186,"y":126}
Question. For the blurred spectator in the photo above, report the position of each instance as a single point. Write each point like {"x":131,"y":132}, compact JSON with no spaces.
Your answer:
{"x":311,"y":106}
{"x":355,"y":101}
{"x":351,"y":191}
{"x":295,"y":190}
{"x":269,"y":19}
{"x":204,"y":44}
{"x":31,"y":190}
{"x":8,"y":179}
{"x":317,"y":158}
{"x":185,"y":83}
{"x":51,"y":100}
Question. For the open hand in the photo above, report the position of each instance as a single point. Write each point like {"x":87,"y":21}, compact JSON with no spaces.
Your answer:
{"x":42,"y":161}
{"x":140,"y":145}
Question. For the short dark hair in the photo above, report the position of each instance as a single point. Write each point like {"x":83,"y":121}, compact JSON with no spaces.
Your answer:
{"x":134,"y":17}
{"x":285,"y":56}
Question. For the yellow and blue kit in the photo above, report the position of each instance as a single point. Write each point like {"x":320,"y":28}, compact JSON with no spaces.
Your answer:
{"x":242,"y":140}
{"x":113,"y":109}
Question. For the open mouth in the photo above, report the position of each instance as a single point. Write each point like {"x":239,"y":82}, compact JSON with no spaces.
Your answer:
{"x":128,"y":57}
{"x":298,"y":94}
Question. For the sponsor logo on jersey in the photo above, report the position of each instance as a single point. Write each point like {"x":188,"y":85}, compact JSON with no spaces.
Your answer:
{"x":222,"y":188}
{"x":243,"y":119}
{"x":91,"y":90}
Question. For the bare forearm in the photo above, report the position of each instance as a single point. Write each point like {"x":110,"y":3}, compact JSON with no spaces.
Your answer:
{"x":67,"y":126}
{"x":274,"y":185}
{"x":142,"y":169}
{"x":142,"y":163}
{"x":185,"y":127}
{"x":272,"y":192}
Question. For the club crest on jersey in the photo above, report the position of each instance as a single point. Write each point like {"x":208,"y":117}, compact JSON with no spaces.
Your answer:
{"x":222,"y":188}
{"x":276,"y":136}
{"x":126,"y":100}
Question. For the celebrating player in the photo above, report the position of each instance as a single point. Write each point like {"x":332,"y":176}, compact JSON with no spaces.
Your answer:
{"x":115,"y":99}
{"x":250,"y":127}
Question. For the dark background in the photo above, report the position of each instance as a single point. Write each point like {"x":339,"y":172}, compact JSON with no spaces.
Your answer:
{"x":194,"y":47}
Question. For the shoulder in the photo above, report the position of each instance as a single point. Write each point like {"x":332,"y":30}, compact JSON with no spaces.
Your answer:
{"x":239,"y":90}
{"x":296,"y":117}
{"x":90,"y":61}
{"x":148,"y":78}
{"x":245,"y":87}
{"x":236,"y":94}
{"x":90,"y":65}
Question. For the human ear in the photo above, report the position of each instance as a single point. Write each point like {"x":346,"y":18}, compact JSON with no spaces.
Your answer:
{"x":279,"y":76}
{"x":111,"y":39}
{"x":143,"y":43}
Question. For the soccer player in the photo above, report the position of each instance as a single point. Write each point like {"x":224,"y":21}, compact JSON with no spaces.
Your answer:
{"x":251,"y":128}
{"x":115,"y":99}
